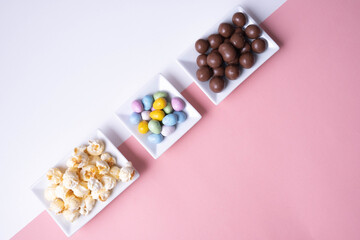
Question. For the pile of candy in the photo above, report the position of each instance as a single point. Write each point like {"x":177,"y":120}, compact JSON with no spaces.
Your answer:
{"x":156,"y":114}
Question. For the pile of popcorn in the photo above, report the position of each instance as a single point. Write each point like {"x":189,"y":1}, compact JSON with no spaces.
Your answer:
{"x":90,"y":176}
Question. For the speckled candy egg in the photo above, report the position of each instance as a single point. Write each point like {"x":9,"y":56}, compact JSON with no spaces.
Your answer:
{"x":137,"y":106}
{"x":143,"y":127}
{"x":155,"y":138}
{"x":147,"y":101}
{"x":135,"y":118}
{"x":145,"y":115}
{"x":157,"y":115}
{"x":154,"y":126}
{"x":181,"y":116}
{"x":170,"y":120}
{"x":159,"y":103}
{"x":160,"y":94}
{"x":167,"y":130}
{"x":177,"y":104}
{"x":168,"y":109}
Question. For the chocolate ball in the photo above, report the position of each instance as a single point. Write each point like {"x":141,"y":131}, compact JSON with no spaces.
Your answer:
{"x":232,"y":72}
{"x":239,"y":30}
{"x":202,"y":46}
{"x":204,"y":74}
{"x":246,"y":48}
{"x":236,"y":60}
{"x":258,"y":45}
{"x":226,"y":30}
{"x":227,"y":51}
{"x":247,"y":60}
{"x":227,"y":40}
{"x":214,"y":59}
{"x":252,"y":31}
{"x":201,"y":60}
{"x":219,"y":72}
{"x":239,"y":19}
{"x":237,"y":40}
{"x":217,"y":84}
{"x":215,"y":40}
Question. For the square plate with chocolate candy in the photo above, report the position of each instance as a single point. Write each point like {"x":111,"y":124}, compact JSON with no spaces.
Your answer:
{"x":227,"y":54}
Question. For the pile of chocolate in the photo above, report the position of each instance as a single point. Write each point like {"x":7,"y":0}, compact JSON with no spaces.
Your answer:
{"x":224,"y":54}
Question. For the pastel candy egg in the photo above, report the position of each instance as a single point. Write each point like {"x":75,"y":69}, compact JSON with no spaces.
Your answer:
{"x":143,"y":127}
{"x":153,"y":109}
{"x":147,"y":101}
{"x":135,"y":118}
{"x":137,"y":106}
{"x":145,"y":115}
{"x":178,"y":104}
{"x":157,"y":115}
{"x":155,"y":138}
{"x":160,"y":103}
{"x":154,"y":126}
{"x":167,"y":130}
{"x":170,"y":120}
{"x":168,"y":109}
{"x":160,"y":94}
{"x":181,"y":116}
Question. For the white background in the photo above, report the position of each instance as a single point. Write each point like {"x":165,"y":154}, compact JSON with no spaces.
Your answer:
{"x":65,"y":67}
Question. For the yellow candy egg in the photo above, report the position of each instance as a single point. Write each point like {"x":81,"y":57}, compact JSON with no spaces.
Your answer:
{"x":143,"y":127}
{"x":159,"y":103}
{"x":157,"y":115}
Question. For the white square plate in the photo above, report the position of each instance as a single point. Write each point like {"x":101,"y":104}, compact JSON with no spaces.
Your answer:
{"x":68,"y":228}
{"x":159,"y":83}
{"x":187,"y":60}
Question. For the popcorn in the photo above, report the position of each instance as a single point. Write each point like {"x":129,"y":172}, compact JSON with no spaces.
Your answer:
{"x":94,"y":184}
{"x":91,"y":175}
{"x":57,"y":206}
{"x":49,"y":193}
{"x":111,"y":161}
{"x":96,"y":147}
{"x":102,"y":166}
{"x":81,"y":190}
{"x":127,"y":172}
{"x":71,"y":215}
{"x":70,"y":178}
{"x":87,"y":205}
{"x":72,"y":203}
{"x":54,"y":175}
{"x":114,"y":172}
{"x":108,"y":182}
{"x":88,"y":172}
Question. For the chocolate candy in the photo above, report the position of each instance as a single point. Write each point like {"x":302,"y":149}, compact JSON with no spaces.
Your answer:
{"x":239,"y":19}
{"x":226,"y":30}
{"x":215,"y":40}
{"x":232,"y":72}
{"x":246,"y":48}
{"x":239,"y":30}
{"x":235,"y":61}
{"x":201,"y":60}
{"x":227,"y":52}
{"x":214,"y":59}
{"x":258,"y":45}
{"x":217,"y":84}
{"x":202,"y":46}
{"x":247,"y":60}
{"x":252,"y":31}
{"x":204,"y":74}
{"x":220,"y":71}
{"x":237,"y":40}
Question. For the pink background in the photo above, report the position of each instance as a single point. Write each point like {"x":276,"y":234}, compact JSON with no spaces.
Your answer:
{"x":278,"y":159}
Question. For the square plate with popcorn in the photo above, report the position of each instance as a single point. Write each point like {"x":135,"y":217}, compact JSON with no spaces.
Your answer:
{"x":84,"y":183}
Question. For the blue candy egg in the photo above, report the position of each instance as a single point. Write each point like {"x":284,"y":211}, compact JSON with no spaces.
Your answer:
{"x":135,"y":118}
{"x":181,"y":116}
{"x":155,"y":138}
{"x":147,"y":101}
{"x":170,"y":120}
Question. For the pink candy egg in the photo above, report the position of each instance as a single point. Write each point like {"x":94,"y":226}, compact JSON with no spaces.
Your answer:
{"x":178,"y":104}
{"x":137,"y":106}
